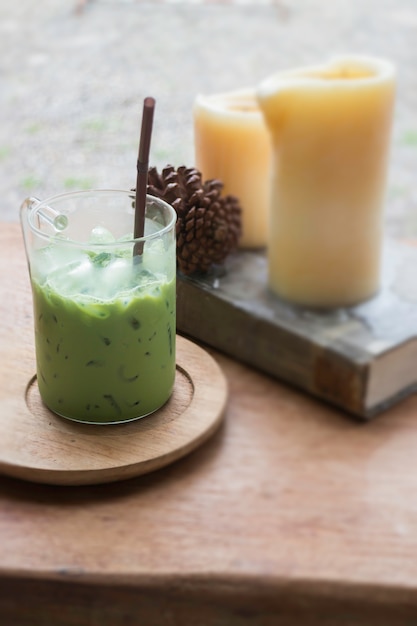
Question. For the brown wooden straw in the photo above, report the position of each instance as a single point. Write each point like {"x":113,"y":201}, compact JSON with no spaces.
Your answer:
{"x":142,"y":172}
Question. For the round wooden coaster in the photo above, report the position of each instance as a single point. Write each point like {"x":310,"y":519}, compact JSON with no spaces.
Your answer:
{"x":37,"y":445}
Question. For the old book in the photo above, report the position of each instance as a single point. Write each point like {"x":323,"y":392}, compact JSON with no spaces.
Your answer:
{"x":362,"y":359}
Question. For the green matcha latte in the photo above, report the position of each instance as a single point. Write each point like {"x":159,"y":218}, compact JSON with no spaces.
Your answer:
{"x":104,"y":325}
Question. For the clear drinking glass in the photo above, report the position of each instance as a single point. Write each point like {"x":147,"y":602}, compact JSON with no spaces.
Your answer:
{"x":104,"y":314}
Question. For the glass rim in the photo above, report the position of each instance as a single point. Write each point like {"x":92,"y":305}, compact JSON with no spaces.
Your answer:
{"x":59,"y":236}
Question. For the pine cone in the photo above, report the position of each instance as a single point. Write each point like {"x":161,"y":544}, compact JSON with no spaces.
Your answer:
{"x":208,"y":225}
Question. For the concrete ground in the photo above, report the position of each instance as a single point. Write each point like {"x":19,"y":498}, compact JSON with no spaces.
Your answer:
{"x":73,"y":76}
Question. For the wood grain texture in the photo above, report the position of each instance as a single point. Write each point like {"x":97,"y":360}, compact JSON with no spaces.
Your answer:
{"x":290,"y":514}
{"x":362,"y":359}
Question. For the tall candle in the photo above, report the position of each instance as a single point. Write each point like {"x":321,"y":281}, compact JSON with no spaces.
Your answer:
{"x":330,"y":126}
{"x":232,"y":144}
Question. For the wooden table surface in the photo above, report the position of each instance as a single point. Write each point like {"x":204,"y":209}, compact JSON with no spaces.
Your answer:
{"x":292,"y":513}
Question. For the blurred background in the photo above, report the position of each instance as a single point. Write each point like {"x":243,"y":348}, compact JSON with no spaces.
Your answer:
{"x":73,"y":76}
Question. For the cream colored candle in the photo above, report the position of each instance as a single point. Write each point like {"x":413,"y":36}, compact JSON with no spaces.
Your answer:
{"x":330,"y":126}
{"x":232,"y":144}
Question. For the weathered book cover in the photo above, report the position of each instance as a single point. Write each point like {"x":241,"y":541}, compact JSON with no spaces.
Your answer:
{"x":362,"y":359}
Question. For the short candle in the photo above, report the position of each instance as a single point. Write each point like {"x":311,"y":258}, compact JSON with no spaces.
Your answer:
{"x":233,"y":145}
